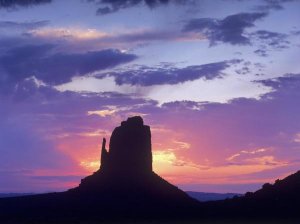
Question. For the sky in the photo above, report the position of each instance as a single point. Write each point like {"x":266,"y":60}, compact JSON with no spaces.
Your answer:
{"x":217,"y":81}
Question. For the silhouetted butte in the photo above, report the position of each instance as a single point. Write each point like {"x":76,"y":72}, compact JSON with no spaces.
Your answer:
{"x":126,"y":170}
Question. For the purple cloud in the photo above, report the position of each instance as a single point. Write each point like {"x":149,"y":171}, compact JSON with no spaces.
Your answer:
{"x":22,"y":25}
{"x":272,"y":39}
{"x":23,"y":3}
{"x":261,"y":52}
{"x":272,"y":5}
{"x":146,"y":76}
{"x":116,"y":5}
{"x":230,"y":30}
{"x":55,"y":68}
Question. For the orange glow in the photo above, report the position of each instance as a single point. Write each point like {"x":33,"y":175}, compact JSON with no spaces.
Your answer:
{"x":84,"y":149}
{"x":90,"y":165}
{"x":102,"y":113}
{"x":173,"y":158}
{"x":71,"y":32}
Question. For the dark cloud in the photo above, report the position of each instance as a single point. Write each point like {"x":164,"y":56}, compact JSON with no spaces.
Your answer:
{"x":146,"y":76}
{"x":231,"y":29}
{"x":23,"y":3}
{"x":297,"y":32}
{"x":272,"y":39}
{"x":39,"y":61}
{"x":261,"y":52}
{"x":272,"y":5}
{"x":285,"y":84}
{"x":243,"y":70}
{"x":111,"y":6}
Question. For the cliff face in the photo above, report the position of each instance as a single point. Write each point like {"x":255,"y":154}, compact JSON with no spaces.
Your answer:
{"x":129,"y":149}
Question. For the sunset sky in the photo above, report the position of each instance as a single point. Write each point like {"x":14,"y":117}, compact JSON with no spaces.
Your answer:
{"x":217,"y":81}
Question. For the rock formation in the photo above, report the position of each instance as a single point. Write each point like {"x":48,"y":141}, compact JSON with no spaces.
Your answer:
{"x":126,"y":168}
{"x":129,"y":149}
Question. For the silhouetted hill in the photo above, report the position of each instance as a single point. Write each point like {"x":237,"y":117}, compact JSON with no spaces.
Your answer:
{"x":204,"y":196}
{"x":278,"y":201}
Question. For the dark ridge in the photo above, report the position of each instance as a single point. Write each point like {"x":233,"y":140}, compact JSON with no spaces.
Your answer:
{"x":278,"y":201}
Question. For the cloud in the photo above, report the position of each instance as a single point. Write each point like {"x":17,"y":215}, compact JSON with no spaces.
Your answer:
{"x":146,"y":76}
{"x":261,"y":52}
{"x":142,"y":36}
{"x":287,"y":84}
{"x":102,"y":113}
{"x":272,"y":39}
{"x":22,"y":25}
{"x":22,"y":3}
{"x":55,"y":68}
{"x":296,"y":32}
{"x":197,"y":90}
{"x":71,"y":33}
{"x":82,"y":39}
{"x":297,"y":138}
{"x":230,"y":30}
{"x":244,"y":153}
{"x":112,"y":6}
{"x":272,"y":5}
{"x":78,"y":37}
